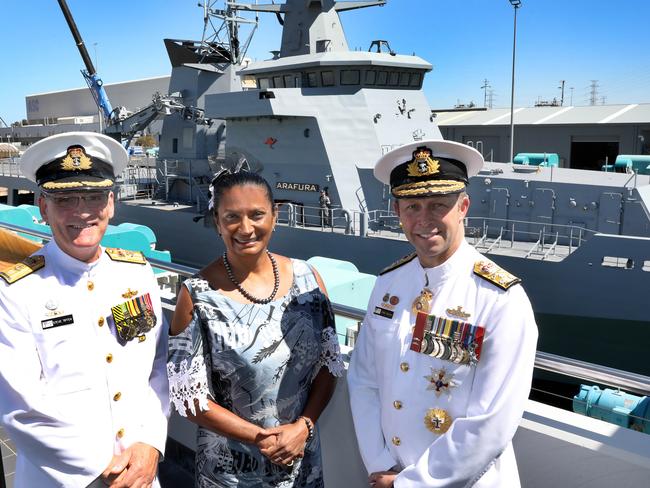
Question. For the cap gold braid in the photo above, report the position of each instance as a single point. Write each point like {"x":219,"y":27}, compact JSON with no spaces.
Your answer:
{"x":426,"y":187}
{"x":51,"y":185}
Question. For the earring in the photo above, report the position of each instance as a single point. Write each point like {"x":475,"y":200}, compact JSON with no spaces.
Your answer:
{"x":401,"y":225}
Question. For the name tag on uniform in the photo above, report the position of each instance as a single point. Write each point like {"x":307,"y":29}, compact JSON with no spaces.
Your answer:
{"x":383,"y":312}
{"x":57,"y":322}
{"x":446,"y":339}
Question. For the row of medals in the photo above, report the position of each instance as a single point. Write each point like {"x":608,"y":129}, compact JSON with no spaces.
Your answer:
{"x":436,"y":420}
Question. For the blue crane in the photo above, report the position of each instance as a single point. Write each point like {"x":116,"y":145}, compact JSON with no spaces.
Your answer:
{"x":93,"y":80}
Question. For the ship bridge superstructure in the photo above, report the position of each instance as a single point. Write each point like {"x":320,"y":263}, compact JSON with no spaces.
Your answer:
{"x":320,"y":116}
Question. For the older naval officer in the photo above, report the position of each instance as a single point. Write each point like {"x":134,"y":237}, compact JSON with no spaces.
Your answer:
{"x":443,"y":363}
{"x":83,"y":383}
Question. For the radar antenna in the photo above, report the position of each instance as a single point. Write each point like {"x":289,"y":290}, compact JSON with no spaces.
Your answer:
{"x":225,"y":38}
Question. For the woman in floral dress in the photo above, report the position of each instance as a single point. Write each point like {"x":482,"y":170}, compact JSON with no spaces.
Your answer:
{"x":253,"y":351}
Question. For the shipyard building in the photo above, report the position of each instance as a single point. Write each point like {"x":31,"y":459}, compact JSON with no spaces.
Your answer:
{"x":583,"y":137}
{"x":75,"y":110}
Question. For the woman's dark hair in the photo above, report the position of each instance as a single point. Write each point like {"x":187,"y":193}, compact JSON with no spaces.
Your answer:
{"x":226,"y":180}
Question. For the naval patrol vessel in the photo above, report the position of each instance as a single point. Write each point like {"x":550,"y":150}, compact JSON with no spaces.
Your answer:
{"x":318,"y":115}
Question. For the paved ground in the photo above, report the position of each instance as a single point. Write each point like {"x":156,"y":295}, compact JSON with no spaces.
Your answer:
{"x":171,"y":474}
{"x":8,"y":460}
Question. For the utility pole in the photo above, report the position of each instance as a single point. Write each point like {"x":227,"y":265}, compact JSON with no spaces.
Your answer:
{"x":561,"y":87}
{"x":594,"y":92}
{"x":485,"y":86}
{"x":571,"y":102}
{"x":490,"y":98}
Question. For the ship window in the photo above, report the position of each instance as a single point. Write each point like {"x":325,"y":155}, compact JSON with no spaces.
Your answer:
{"x":327,"y":77}
{"x":312,"y":80}
{"x":263,"y":83}
{"x":350,"y":77}
{"x":403,"y":79}
{"x":277,"y":82}
{"x":416,"y":79}
{"x":288,"y":81}
{"x":382,"y":76}
{"x":616,"y":262}
{"x":175,"y":145}
{"x":646,"y":266}
{"x":371,"y":75}
{"x":394,"y":78}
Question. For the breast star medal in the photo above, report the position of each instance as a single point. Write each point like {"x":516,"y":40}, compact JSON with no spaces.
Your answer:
{"x":440,"y":381}
{"x":437,"y":420}
{"x":422,"y":302}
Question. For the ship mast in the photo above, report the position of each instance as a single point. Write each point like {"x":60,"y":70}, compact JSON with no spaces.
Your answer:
{"x":223,"y":35}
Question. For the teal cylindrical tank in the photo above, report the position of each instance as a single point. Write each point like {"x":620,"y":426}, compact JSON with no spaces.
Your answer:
{"x":537,"y":159}
{"x":614,"y":406}
{"x":638,"y":162}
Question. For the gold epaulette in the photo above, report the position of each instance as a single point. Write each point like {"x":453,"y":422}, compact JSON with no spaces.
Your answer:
{"x":126,"y":256}
{"x":398,"y":263}
{"x":22,"y":269}
{"x":495,"y":275}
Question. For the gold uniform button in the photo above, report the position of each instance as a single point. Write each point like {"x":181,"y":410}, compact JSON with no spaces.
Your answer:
{"x":404,"y":367}
{"x":91,"y":286}
{"x":117,"y":396}
{"x":100,"y":321}
{"x":109,"y":358}
{"x":120,"y":433}
{"x":397,"y":441}
{"x":397,"y":404}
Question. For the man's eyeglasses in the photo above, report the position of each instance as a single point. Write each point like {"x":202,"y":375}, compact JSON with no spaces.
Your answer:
{"x":92,"y":200}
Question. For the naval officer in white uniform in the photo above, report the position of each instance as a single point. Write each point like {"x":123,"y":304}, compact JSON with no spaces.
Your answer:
{"x":83,"y":384}
{"x":443,"y":363}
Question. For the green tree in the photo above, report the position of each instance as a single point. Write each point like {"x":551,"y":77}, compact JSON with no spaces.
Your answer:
{"x":146,"y":141}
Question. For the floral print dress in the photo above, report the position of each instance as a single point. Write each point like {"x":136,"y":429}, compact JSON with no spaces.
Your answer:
{"x":258,"y":361}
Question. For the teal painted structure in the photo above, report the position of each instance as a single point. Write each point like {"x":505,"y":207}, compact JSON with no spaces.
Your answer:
{"x":345,"y":285}
{"x":637,"y":162}
{"x":537,"y":159}
{"x":614,"y":406}
{"x":134,"y":237}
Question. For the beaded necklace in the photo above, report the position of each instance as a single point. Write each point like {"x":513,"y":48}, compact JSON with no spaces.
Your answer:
{"x":248,"y":296}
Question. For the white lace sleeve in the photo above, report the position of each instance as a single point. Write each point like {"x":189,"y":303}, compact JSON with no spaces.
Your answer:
{"x":187,"y":384}
{"x":330,"y":355}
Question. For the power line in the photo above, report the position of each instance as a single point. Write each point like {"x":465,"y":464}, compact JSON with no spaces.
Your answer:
{"x":485,"y":86}
{"x":594,"y":92}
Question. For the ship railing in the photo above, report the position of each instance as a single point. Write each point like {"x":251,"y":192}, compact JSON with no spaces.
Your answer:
{"x":334,"y":219}
{"x":577,"y":370}
{"x":138,"y":180}
{"x":547,"y":238}
{"x":552,"y":363}
{"x":10,"y":167}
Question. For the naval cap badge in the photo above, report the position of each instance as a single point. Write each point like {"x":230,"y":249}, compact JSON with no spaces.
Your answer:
{"x":422,"y":164}
{"x":76,"y":159}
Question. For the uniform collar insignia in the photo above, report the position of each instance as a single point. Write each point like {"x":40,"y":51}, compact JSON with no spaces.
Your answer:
{"x":458,"y":312}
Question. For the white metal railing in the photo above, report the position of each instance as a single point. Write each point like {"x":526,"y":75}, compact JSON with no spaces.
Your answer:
{"x":9,"y":167}
{"x":548,"y":362}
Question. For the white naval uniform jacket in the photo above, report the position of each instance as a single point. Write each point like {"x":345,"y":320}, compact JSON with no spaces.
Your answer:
{"x":388,"y":388}
{"x":71,"y":396}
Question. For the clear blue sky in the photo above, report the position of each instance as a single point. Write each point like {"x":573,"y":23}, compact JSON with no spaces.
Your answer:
{"x":465,"y":40}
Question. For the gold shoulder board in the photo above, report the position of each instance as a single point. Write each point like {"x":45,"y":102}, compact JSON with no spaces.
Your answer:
{"x":495,"y":275}
{"x":398,"y":263}
{"x":22,"y":269}
{"x":125,"y":255}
